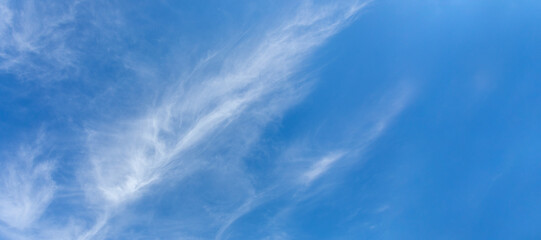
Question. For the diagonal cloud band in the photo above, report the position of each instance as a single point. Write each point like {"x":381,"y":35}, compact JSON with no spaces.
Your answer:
{"x":253,"y":87}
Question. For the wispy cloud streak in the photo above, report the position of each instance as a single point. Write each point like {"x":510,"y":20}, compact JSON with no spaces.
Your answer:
{"x":321,"y":166}
{"x":253,"y":86}
{"x":391,"y":105}
{"x":34,"y":38}
{"x":374,"y":124}
{"x":26,"y":188}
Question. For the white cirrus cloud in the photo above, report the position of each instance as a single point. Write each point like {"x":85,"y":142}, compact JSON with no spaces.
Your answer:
{"x":321,"y":166}
{"x":202,"y":115}
{"x":34,"y":38}
{"x":26,"y":188}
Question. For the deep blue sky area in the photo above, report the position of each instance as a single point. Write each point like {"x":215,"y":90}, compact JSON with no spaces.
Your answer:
{"x":270,"y":120}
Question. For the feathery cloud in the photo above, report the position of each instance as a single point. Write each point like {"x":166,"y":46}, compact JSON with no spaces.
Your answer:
{"x":386,"y":110}
{"x":253,"y":86}
{"x":34,"y":38}
{"x":321,"y":166}
{"x":27,"y":188}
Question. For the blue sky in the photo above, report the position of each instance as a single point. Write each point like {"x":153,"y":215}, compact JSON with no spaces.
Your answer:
{"x":238,"y":119}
